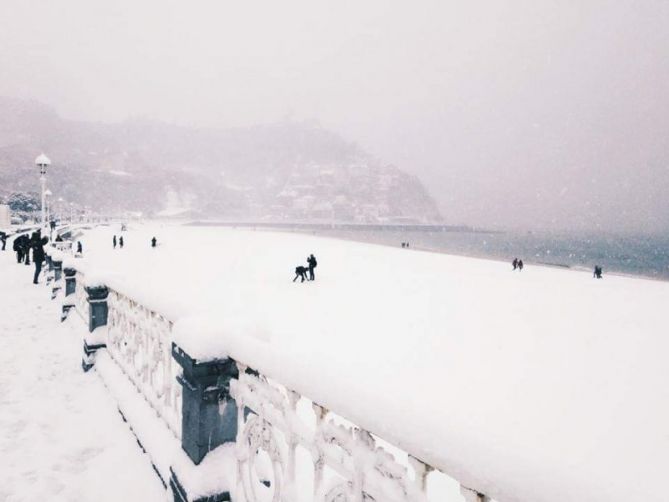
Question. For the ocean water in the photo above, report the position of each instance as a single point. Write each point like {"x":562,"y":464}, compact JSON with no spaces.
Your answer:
{"x":633,"y":255}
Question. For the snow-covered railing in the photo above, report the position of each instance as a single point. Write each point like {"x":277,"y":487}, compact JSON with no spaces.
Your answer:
{"x":139,"y":341}
{"x":286,"y":447}
{"x":347,"y":463}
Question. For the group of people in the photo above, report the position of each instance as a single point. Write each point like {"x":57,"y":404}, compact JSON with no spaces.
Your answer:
{"x":405,"y":244}
{"x":301,"y":271}
{"x":35,"y":243}
{"x":119,"y":242}
{"x":517,"y":264}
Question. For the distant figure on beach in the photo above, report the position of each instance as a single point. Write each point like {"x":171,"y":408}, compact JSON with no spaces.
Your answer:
{"x":520,"y":265}
{"x":515,"y":263}
{"x":114,"y":241}
{"x":312,"y":265}
{"x":120,"y":242}
{"x":80,"y":249}
{"x":597,"y":274}
{"x":153,"y":242}
{"x":300,"y":272}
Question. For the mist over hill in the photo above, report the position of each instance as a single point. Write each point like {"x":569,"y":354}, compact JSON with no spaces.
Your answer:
{"x":282,"y":171}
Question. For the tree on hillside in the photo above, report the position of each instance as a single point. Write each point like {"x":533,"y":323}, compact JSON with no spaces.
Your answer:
{"x":24,"y":201}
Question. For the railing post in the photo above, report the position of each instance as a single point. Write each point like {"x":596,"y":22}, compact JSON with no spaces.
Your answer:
{"x":209,"y":414}
{"x":70,"y":280}
{"x":70,"y":288}
{"x":98,"y":311}
{"x":57,"y":274}
{"x":97,"y":306}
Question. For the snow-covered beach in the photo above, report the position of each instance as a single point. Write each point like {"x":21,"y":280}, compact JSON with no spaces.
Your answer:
{"x":543,"y":385}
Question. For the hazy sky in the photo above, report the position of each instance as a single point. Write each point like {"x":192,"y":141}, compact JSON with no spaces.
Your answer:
{"x":519,"y":113}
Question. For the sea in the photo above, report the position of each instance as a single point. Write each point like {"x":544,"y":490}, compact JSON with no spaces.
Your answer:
{"x":636,"y":255}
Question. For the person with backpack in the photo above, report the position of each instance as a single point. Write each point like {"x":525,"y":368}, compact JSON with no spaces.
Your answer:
{"x":37,"y":243}
{"x":312,"y":265}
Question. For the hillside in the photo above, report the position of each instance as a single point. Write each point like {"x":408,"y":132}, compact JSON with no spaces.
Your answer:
{"x":280,"y":171}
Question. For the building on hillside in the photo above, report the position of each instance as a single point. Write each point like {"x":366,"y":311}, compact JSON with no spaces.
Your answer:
{"x":5,"y":216}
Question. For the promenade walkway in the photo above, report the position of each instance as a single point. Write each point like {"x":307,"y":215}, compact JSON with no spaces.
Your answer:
{"x":61,"y":437}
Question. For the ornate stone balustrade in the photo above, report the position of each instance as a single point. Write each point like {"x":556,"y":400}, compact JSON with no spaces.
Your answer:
{"x":139,"y":342}
{"x":284,"y":443}
{"x":346,"y":463}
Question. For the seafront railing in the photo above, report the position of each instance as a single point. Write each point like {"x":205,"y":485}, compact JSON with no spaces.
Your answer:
{"x":284,"y":444}
{"x":139,"y":341}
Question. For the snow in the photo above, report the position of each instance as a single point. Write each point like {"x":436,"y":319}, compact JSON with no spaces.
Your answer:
{"x":62,"y":437}
{"x":544,"y":385}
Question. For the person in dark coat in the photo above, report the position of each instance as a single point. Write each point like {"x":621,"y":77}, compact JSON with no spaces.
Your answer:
{"x":300,"y":272}
{"x":80,"y":249}
{"x":25,"y":244}
{"x":16,"y":246}
{"x":515,"y":263}
{"x":37,"y":243}
{"x":120,"y":242}
{"x":153,"y":242}
{"x":312,"y":265}
{"x":114,"y":241}
{"x":520,"y":265}
{"x":597,"y":274}
{"x":3,"y":239}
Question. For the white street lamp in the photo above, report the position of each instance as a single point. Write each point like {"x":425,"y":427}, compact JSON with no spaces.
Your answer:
{"x":47,"y":197}
{"x":43,"y":163}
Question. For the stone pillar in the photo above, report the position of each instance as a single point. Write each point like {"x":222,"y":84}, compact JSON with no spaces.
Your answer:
{"x":57,"y":271}
{"x":70,"y":280}
{"x":98,"y":311}
{"x":70,"y":287}
{"x":209,"y":414}
{"x":97,"y":306}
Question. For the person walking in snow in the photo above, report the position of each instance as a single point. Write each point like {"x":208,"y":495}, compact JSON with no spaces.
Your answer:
{"x":312,"y":265}
{"x":300,"y":272}
{"x":38,"y":243}
{"x":25,"y":244}
{"x":114,"y":241}
{"x":16,"y":246}
{"x":515,"y":263}
{"x":80,"y":249}
{"x":120,"y":242}
{"x":520,"y":265}
{"x":597,"y":274}
{"x":3,"y":239}
{"x":153,"y":242}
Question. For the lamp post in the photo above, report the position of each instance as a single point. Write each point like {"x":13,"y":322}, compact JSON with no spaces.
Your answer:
{"x":47,"y":198}
{"x":43,"y":163}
